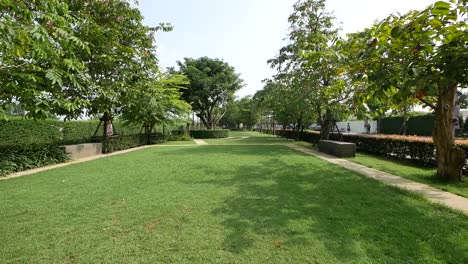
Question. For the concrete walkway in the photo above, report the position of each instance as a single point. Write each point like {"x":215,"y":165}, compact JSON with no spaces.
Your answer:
{"x":435,"y":195}
{"x":200,"y":142}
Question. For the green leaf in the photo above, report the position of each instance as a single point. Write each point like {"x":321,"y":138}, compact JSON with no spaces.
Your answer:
{"x":441,"y":8}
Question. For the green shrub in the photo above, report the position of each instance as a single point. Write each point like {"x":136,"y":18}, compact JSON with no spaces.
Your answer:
{"x":14,"y":158}
{"x":26,"y":131}
{"x":178,"y":135}
{"x":391,"y":125}
{"x":419,"y":150}
{"x":420,"y":125}
{"x":214,"y":133}
{"x":75,"y":132}
{"x":14,"y":132}
{"x":121,"y":142}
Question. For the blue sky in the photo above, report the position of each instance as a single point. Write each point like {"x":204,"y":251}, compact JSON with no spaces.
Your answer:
{"x":246,"y":33}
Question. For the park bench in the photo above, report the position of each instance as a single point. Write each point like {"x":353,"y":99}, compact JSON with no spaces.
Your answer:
{"x":337,"y":148}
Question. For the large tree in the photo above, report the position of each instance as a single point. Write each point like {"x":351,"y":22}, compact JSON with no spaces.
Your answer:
{"x":39,"y":66}
{"x":422,"y":55}
{"x":155,"y":101}
{"x":313,"y":63}
{"x":122,"y":53}
{"x":212,"y":85}
{"x":240,"y":111}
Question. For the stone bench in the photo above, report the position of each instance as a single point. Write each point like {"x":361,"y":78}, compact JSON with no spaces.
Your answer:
{"x":83,"y":150}
{"x":337,"y":148}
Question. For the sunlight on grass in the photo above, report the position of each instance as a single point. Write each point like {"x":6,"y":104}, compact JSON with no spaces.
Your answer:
{"x":223,"y":204}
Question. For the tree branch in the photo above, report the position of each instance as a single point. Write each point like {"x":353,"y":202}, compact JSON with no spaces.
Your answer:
{"x":427,"y":103}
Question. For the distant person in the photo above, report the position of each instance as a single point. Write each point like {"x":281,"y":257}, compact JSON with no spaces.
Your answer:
{"x":349,"y":128}
{"x":368,"y":128}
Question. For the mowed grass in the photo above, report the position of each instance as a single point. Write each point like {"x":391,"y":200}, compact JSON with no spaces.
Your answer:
{"x":412,"y":172}
{"x":247,"y":138}
{"x":403,"y":169}
{"x":220,"y":204}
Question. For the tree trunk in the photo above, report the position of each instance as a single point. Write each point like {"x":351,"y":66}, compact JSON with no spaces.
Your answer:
{"x":326,"y":126}
{"x":107,"y":119}
{"x":450,"y":158}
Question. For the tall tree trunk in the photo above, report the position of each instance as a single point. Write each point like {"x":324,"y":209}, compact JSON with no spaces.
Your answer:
{"x":326,"y":126}
{"x":450,"y":158}
{"x":107,"y":119}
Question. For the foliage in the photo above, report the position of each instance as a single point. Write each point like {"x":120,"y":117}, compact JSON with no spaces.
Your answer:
{"x":39,"y":66}
{"x":178,"y":136}
{"x":419,"y":56}
{"x":117,"y":142}
{"x":391,"y":125}
{"x":155,"y":102}
{"x":420,"y":150}
{"x":211,"y":133}
{"x":310,"y":71}
{"x":26,"y":131}
{"x":14,"y":158}
{"x":421,"y":125}
{"x":240,"y":113}
{"x":213,"y":83}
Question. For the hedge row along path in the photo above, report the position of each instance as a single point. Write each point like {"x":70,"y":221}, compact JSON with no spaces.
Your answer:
{"x":59,"y":165}
{"x":435,"y":195}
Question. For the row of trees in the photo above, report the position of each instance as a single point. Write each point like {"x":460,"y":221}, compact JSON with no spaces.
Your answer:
{"x":76,"y":57}
{"x":415,"y":58}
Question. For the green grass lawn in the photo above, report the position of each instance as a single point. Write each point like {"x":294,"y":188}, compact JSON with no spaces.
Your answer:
{"x":404,"y":169}
{"x":220,"y":204}
{"x":186,"y":142}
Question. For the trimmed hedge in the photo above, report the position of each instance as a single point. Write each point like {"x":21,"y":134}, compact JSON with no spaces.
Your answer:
{"x":122,"y":142}
{"x":14,"y":132}
{"x":22,"y":157}
{"x":26,"y":131}
{"x":416,"y":125}
{"x":213,"y":133}
{"x":391,"y":125}
{"x":420,"y":150}
{"x":420,"y":125}
{"x":116,"y":143}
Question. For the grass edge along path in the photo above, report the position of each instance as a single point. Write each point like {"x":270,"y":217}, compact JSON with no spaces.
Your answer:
{"x":411,"y":171}
{"x":81,"y":160}
{"x":448,"y":199}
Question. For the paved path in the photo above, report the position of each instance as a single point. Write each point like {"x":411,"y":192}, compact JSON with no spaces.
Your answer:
{"x":435,"y":195}
{"x":200,"y":142}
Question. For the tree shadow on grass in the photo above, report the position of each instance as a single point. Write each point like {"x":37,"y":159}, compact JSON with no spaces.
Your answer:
{"x":317,"y":206}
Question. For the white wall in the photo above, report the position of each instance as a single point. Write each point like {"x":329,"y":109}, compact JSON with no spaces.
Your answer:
{"x":357,"y":126}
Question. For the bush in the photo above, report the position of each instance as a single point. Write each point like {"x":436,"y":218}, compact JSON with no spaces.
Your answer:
{"x":391,"y":125}
{"x":420,"y":150}
{"x":122,"y":142}
{"x":26,"y":131}
{"x":420,"y":125}
{"x":22,"y":157}
{"x":213,"y":133}
{"x":117,"y":142}
{"x":178,"y":135}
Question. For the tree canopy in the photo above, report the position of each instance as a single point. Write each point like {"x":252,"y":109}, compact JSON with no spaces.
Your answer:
{"x":212,"y":85}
